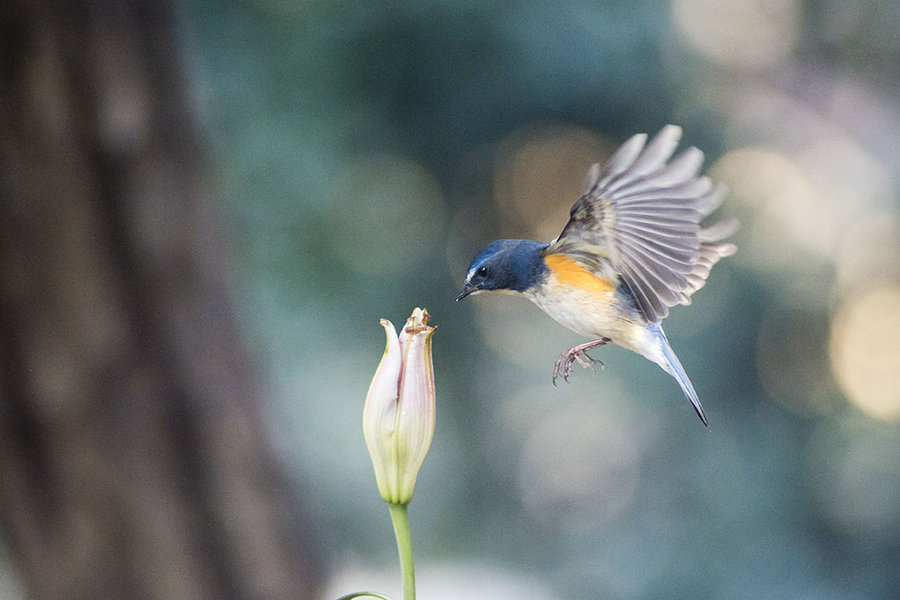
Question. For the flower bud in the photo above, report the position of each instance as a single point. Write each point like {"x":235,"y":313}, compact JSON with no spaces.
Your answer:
{"x":398,"y":418}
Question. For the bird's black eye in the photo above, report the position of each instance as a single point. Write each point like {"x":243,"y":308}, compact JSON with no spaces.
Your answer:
{"x":481,"y":272}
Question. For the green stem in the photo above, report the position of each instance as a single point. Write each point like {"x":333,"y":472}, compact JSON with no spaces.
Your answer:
{"x":404,"y":546}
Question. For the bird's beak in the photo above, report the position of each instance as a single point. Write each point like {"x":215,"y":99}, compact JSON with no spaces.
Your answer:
{"x":468,"y":288}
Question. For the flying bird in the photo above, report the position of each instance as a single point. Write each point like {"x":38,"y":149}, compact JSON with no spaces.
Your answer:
{"x":633,"y":247}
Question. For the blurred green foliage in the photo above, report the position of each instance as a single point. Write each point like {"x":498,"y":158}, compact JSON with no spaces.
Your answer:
{"x":357,"y":147}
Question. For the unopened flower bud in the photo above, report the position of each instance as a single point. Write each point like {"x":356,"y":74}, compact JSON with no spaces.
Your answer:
{"x":398,"y":418}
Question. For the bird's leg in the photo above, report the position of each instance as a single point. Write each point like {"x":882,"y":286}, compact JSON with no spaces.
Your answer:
{"x":579,"y":353}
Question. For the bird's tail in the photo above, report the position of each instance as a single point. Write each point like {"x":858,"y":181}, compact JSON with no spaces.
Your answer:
{"x":673,"y":367}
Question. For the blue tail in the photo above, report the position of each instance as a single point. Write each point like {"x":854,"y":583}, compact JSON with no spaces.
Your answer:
{"x":673,"y":367}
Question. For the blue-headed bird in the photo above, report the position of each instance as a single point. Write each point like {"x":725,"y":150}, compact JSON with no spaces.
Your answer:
{"x":633,"y":247}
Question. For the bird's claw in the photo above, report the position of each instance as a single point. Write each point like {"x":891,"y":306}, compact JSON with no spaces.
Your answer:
{"x":567,"y":359}
{"x":578,"y":353}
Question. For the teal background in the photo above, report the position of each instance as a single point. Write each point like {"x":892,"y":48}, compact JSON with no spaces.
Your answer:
{"x":365,"y":152}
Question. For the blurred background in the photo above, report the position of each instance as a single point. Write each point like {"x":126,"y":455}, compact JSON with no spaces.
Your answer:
{"x":362,"y":155}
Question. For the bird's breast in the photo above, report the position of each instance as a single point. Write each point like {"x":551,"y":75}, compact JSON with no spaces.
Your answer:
{"x":583,"y":302}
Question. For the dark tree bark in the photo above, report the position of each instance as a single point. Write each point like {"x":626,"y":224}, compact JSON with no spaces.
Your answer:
{"x":134,"y":462}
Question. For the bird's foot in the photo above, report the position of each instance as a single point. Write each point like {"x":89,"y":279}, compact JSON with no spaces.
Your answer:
{"x":578,"y":353}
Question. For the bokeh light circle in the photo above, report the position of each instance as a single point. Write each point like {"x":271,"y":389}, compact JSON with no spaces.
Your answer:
{"x":751,"y":34}
{"x":870,"y":252}
{"x":540,"y":171}
{"x":790,"y":352}
{"x":865,"y":351}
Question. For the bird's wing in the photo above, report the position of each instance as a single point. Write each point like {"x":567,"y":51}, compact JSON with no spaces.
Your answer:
{"x":640,"y":217}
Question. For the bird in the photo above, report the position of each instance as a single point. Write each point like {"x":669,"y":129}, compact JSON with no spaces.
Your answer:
{"x":632,"y":248}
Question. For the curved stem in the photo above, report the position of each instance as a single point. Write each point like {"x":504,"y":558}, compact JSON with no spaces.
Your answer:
{"x":363,"y":595}
{"x":400,"y":519}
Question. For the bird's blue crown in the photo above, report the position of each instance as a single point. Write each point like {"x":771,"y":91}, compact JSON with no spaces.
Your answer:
{"x":514,"y":265}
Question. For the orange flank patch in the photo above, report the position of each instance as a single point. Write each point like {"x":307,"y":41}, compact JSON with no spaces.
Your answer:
{"x":569,"y":272}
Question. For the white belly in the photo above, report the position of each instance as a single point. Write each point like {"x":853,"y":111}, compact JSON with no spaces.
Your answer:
{"x":595,"y":315}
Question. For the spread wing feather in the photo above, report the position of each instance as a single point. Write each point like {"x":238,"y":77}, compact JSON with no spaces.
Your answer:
{"x":639,"y":217}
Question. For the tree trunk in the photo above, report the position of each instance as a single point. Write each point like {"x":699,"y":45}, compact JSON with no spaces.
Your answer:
{"x":134,"y":461}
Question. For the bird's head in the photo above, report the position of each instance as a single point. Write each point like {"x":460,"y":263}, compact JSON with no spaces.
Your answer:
{"x":512,"y":265}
